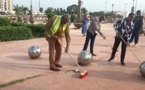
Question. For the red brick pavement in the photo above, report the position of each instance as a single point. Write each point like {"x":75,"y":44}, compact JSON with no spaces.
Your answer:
{"x":102,"y":75}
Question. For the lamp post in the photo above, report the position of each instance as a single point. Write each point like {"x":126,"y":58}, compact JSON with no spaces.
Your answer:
{"x":112,"y":12}
{"x":112,"y":8}
{"x":106,"y":6}
{"x":132,"y":9}
{"x":31,"y":19}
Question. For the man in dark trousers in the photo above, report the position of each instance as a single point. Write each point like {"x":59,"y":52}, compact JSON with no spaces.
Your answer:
{"x":123,"y":29}
{"x":91,"y":34}
{"x":138,"y":21}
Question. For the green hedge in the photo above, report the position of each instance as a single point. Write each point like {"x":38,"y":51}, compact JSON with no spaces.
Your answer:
{"x":9,"y":33}
{"x":37,"y":30}
{"x":4,"y":21}
{"x":17,"y":24}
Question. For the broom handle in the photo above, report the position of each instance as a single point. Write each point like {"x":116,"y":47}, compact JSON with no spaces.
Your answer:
{"x":73,"y":59}
{"x":130,"y":49}
{"x":109,"y":42}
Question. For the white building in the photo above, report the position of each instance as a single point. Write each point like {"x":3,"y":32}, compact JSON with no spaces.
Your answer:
{"x":6,"y":5}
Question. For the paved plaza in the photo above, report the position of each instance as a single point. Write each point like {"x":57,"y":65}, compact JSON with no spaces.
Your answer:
{"x":15,"y":64}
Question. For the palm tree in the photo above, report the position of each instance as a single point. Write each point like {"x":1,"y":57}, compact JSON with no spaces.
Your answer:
{"x":20,"y":10}
{"x":41,"y":9}
{"x":25,"y":10}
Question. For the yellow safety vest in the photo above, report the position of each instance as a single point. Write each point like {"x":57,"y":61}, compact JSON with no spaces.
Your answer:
{"x":54,"y":28}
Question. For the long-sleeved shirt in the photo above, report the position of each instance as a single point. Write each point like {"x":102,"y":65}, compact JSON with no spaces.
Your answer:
{"x":94,"y":26}
{"x":124,"y":27}
{"x":59,"y":32}
{"x":138,"y":21}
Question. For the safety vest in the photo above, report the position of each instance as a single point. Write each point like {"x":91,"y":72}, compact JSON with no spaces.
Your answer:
{"x":54,"y":28}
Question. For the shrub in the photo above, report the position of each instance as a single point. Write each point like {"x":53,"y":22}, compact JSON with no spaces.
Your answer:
{"x":9,"y":33}
{"x":37,"y":30}
{"x":4,"y":21}
{"x":17,"y":24}
{"x":72,"y":18}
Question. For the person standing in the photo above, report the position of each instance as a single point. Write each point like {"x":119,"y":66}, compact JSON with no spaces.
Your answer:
{"x":56,"y":27}
{"x":85,"y":25}
{"x":91,"y":34}
{"x":123,"y":29}
{"x":138,"y":22}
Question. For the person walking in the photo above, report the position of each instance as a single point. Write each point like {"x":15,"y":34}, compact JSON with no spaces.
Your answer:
{"x":85,"y":25}
{"x":138,"y":22}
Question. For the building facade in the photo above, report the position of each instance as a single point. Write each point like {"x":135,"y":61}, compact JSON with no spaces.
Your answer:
{"x":6,"y":5}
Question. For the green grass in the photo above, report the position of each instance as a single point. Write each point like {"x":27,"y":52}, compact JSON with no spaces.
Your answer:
{"x":17,"y":81}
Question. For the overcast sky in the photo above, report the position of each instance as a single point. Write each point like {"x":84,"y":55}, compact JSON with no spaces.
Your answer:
{"x":91,"y":5}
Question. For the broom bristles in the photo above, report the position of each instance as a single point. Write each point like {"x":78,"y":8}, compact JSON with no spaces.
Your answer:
{"x":83,"y":74}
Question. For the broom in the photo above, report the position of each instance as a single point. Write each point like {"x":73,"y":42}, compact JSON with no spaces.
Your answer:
{"x":109,"y":43}
{"x":83,"y":73}
{"x":130,"y":49}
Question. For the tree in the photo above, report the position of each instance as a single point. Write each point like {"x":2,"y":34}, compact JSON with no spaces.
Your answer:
{"x":101,"y":13}
{"x":84,"y":10}
{"x":20,"y":10}
{"x":73,"y":17}
{"x":41,"y":9}
{"x":25,"y":10}
{"x":49,"y":12}
{"x":73,"y":9}
{"x":61,"y":11}
{"x":57,"y":11}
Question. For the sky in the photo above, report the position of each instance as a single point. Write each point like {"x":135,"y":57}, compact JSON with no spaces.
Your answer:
{"x":90,"y":5}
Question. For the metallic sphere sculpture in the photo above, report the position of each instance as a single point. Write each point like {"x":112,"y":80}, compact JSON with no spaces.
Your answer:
{"x":142,"y":69}
{"x":85,"y":58}
{"x":34,"y":52}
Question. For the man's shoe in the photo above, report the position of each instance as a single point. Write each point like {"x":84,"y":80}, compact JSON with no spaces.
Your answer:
{"x":122,"y":63}
{"x":94,"y":54}
{"x":54,"y":69}
{"x":58,"y":65}
{"x":110,"y":59}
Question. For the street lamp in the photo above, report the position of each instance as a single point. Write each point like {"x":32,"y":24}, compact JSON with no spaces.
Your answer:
{"x":132,"y":9}
{"x":105,"y":6}
{"x":31,"y":19}
{"x":112,"y":8}
{"x":112,"y":12}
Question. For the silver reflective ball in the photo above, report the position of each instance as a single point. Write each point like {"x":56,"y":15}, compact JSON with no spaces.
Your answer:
{"x":142,"y":69}
{"x":34,"y":52}
{"x":85,"y":58}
